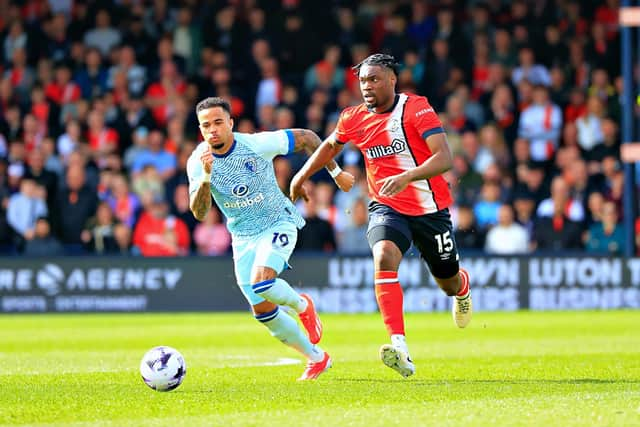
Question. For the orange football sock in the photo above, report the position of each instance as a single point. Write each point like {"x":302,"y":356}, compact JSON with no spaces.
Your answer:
{"x":389,"y":297}
{"x":464,"y":283}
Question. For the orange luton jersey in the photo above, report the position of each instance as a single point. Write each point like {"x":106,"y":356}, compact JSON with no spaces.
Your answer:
{"x":393,"y":142}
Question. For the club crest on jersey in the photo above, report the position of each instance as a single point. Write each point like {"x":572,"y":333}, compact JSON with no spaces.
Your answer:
{"x":394,"y":125}
{"x":251,"y":165}
{"x":377,"y":151}
{"x":240,"y":190}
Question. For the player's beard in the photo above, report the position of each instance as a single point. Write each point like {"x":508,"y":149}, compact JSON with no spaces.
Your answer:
{"x":216,"y":145}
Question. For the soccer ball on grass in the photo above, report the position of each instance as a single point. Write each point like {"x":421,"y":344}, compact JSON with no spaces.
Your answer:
{"x":163,"y":368}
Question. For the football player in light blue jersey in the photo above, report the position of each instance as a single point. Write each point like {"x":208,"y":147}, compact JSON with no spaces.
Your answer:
{"x":237,"y":170}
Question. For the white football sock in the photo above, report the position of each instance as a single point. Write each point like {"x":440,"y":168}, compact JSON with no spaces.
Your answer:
{"x":286,"y":329}
{"x":399,"y":341}
{"x":278,"y":291}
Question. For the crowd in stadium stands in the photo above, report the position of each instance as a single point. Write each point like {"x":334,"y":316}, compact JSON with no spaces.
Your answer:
{"x":97,"y":116}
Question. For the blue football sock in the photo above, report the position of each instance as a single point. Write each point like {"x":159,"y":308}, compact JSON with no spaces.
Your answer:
{"x":278,"y":291}
{"x":286,"y":329}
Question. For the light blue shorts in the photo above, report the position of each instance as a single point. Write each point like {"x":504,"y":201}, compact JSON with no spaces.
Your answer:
{"x":270,"y":249}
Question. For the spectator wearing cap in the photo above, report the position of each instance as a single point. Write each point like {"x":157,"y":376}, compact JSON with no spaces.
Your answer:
{"x":43,"y":243}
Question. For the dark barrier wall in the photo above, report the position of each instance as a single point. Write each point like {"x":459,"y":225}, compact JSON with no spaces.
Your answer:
{"x":339,"y":284}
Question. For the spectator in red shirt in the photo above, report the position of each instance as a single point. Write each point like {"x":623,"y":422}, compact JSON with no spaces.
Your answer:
{"x":63,"y":90}
{"x":102,"y":139}
{"x":162,"y":94}
{"x":160,"y":234}
{"x":608,"y":15}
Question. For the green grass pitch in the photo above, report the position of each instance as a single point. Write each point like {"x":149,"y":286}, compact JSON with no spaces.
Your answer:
{"x":515,"y":369}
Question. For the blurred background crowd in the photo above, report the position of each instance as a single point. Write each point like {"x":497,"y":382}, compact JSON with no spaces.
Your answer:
{"x":97,"y":116}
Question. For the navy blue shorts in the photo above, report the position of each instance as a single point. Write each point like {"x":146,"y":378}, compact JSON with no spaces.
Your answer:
{"x":431,"y":234}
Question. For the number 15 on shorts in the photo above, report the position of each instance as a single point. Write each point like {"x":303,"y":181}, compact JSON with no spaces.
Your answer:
{"x":445,"y":244}
{"x":280,"y":239}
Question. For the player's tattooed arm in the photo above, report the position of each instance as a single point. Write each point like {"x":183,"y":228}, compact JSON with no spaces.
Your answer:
{"x":309,"y":141}
{"x":201,"y":201}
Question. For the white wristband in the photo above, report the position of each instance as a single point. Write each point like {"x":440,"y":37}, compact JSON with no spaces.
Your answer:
{"x":206,"y":178}
{"x":335,"y":171}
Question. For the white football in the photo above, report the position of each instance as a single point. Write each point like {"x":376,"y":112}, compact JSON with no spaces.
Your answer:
{"x":163,"y":368}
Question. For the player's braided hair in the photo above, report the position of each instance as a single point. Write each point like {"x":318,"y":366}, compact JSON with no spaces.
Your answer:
{"x":380,"y":59}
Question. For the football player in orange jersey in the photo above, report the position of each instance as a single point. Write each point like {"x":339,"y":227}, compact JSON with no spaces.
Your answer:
{"x":405,"y":151}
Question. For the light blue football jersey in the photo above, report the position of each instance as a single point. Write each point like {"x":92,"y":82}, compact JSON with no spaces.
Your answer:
{"x":244,"y":185}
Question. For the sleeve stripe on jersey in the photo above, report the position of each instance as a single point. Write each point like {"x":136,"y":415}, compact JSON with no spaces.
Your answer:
{"x":433,"y":131}
{"x":292,"y":140}
{"x":339,"y":142}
